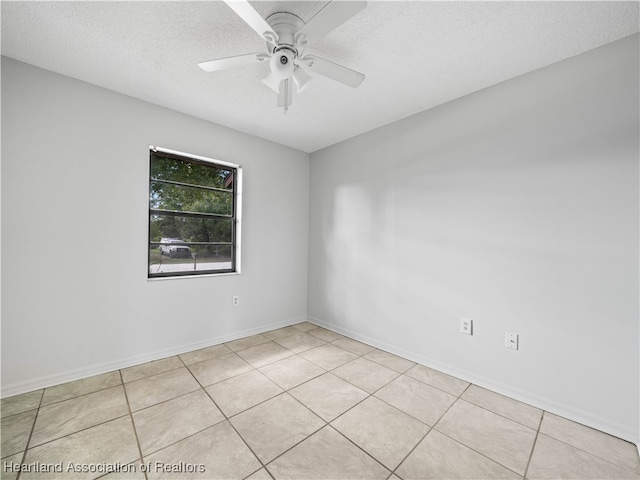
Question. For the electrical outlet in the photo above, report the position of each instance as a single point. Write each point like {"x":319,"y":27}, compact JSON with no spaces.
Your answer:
{"x":466,"y":326}
{"x":236,"y":300}
{"x":511,"y":340}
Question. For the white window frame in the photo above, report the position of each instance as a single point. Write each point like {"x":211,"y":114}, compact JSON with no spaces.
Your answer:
{"x":236,"y":262}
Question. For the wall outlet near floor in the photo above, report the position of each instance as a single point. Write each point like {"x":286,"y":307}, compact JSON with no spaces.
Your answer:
{"x":236,"y":300}
{"x":466,"y":326}
{"x":511,"y":340}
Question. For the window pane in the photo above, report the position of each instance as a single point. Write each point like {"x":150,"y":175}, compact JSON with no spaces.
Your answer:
{"x":190,"y":199}
{"x":183,"y":229}
{"x":193,"y":210}
{"x":201,"y":259}
{"x":163,"y":168}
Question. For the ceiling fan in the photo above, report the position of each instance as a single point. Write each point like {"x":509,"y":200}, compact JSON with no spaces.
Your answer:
{"x":287,"y":38}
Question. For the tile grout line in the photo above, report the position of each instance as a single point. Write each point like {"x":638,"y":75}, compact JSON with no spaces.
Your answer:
{"x":479,"y":453}
{"x":70,"y":398}
{"x":164,"y":401}
{"x":399,"y":374}
{"x":467,"y":446}
{"x":33,"y":427}
{"x":257,"y":404}
{"x":369,"y":395}
{"x":180,"y":355}
{"x":21,"y":413}
{"x":188,"y":367}
{"x":404,"y":459}
{"x":528,"y":405}
{"x":326,"y":424}
{"x":261,"y":468}
{"x":538,"y":432}
{"x":407,"y":413}
{"x":64,"y":436}
{"x":372,"y":394}
{"x":288,"y":358}
{"x":283,"y":390}
{"x":330,"y":370}
{"x":64,"y":400}
{"x":81,"y":430}
{"x":226,"y":419}
{"x":361,"y":449}
{"x":431,"y":427}
{"x":71,"y":433}
{"x":533,"y":447}
{"x":589,"y":453}
{"x":133,"y":423}
{"x":185,"y":438}
{"x":148,"y":376}
{"x":499,"y":414}
{"x":435,"y":386}
{"x":506,"y":418}
{"x":257,"y":369}
{"x":337,"y":376}
{"x":296,"y":444}
{"x":286,"y":391}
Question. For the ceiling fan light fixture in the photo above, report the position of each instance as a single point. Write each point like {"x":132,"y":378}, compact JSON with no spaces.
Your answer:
{"x":281,"y":63}
{"x":272,"y":81}
{"x":301,"y":78}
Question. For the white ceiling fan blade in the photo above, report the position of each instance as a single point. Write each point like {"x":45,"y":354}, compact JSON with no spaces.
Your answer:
{"x":246,"y":12}
{"x":231,"y":62}
{"x":333,"y":71}
{"x":330,"y":17}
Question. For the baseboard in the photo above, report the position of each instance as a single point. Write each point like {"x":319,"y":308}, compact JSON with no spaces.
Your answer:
{"x":97,"y":369}
{"x":585,"y":418}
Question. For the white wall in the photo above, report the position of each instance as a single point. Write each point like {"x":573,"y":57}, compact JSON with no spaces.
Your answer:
{"x":516,"y":206}
{"x":76,"y":299}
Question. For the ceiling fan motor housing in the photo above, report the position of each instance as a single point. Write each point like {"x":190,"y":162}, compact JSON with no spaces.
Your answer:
{"x":285,"y":52}
{"x":285,"y":25}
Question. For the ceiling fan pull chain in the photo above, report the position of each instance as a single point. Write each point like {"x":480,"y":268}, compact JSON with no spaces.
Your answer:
{"x":286,"y":96}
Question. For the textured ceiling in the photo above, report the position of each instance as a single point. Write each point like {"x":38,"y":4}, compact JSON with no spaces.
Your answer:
{"x":415,"y":55}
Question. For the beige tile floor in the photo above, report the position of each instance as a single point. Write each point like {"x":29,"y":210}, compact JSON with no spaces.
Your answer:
{"x":299,"y":402}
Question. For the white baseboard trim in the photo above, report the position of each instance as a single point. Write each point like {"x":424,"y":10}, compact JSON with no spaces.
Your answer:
{"x":97,"y":369}
{"x":624,"y":432}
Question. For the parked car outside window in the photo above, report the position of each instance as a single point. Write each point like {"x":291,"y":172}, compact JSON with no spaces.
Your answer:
{"x":175,"y":248}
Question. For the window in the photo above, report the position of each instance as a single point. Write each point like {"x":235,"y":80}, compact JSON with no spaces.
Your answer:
{"x":194,"y":215}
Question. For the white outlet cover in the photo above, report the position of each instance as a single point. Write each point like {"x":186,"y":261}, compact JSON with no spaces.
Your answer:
{"x":466,"y":326}
{"x":511,"y":340}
